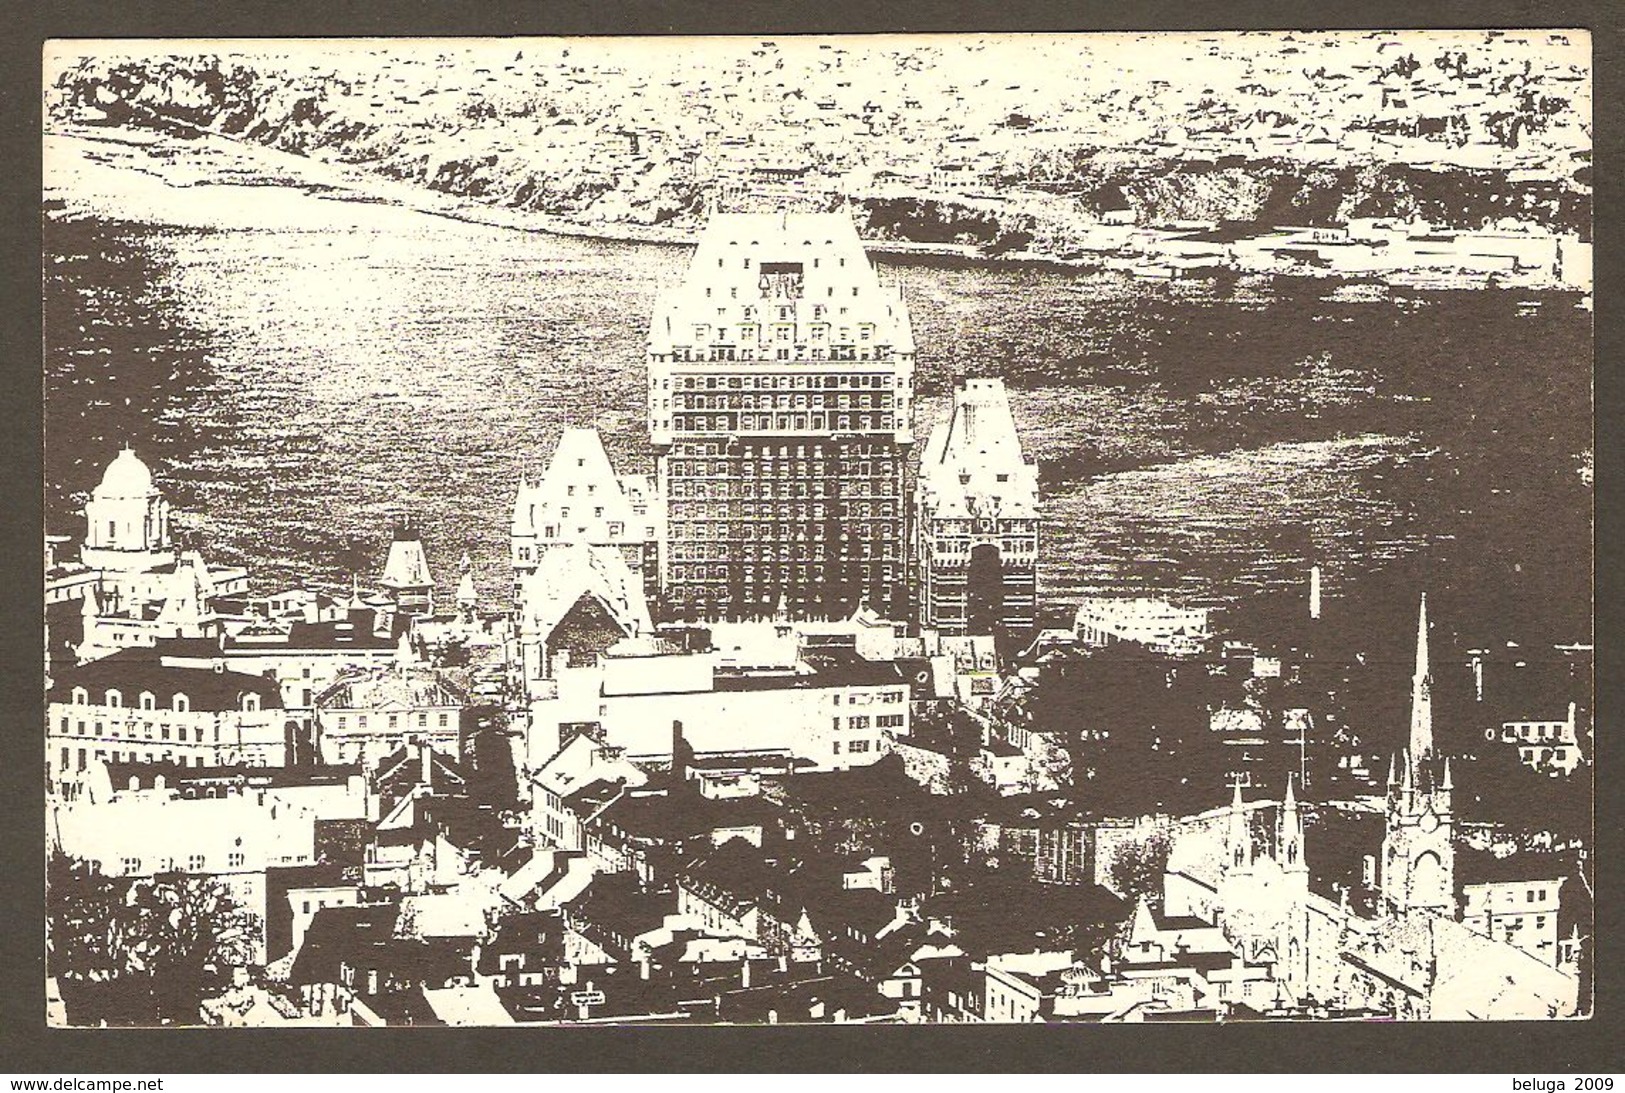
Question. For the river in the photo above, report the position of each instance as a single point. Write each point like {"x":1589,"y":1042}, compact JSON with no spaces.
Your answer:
{"x":300,"y":363}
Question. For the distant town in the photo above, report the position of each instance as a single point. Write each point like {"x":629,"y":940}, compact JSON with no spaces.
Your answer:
{"x":1402,"y":160}
{"x":776,"y":735}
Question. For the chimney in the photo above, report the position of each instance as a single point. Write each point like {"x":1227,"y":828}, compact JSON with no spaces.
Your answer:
{"x":744,"y":972}
{"x":1314,"y":592}
{"x":426,"y":757}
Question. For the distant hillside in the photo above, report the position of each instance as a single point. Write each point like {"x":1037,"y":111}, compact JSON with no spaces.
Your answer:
{"x":469,"y":148}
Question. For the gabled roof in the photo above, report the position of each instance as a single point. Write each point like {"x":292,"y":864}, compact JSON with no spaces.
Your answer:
{"x":391,"y":686}
{"x":734,"y":877}
{"x":567,"y":573}
{"x":580,"y":495}
{"x":1476,"y":978}
{"x":973,"y":463}
{"x":583,"y":762}
{"x":537,"y":937}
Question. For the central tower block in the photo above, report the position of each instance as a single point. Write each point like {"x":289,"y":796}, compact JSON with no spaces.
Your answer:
{"x":781,"y":388}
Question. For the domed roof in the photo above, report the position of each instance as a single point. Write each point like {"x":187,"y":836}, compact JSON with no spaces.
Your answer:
{"x":126,"y":476}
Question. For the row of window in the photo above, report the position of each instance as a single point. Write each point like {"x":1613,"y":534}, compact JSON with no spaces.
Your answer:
{"x":688,"y":519}
{"x":179,"y":703}
{"x":442,"y":720}
{"x":78,"y":759}
{"x":784,"y":328}
{"x":801,"y":400}
{"x":729,"y":423}
{"x":118,"y":729}
{"x":784,"y":520}
{"x":819,"y":381}
{"x":863,"y":698}
{"x":801,"y":353}
{"x":884,"y":471}
{"x":696,"y":448}
{"x":195,"y":863}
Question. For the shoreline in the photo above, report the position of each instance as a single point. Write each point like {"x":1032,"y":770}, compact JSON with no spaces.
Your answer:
{"x":1148,"y":254}
{"x":350,"y":183}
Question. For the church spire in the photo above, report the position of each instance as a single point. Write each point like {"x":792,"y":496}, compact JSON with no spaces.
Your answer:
{"x":1422,"y":693}
{"x":1240,"y":835}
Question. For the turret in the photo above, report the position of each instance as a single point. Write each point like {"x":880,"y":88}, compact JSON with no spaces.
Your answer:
{"x":1289,"y":833}
{"x":1239,"y":838}
{"x":467,"y":597}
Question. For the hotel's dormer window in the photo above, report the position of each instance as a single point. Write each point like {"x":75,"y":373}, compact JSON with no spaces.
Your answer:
{"x":148,"y":700}
{"x":81,"y":697}
{"x":114,"y":698}
{"x":181,"y":704}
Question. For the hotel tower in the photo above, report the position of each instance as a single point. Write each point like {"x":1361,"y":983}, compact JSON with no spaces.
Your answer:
{"x":781,"y":393}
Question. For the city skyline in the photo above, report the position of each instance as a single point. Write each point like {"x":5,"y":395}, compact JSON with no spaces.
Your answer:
{"x":822,"y":535}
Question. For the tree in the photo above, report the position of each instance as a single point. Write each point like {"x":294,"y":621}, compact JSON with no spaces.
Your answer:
{"x":142,"y":952}
{"x":1136,"y":869}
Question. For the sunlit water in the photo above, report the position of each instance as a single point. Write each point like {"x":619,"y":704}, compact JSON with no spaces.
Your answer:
{"x":300,"y":369}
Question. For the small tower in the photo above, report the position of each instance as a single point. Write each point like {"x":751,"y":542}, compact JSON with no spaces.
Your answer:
{"x":406,"y":574}
{"x":523,"y":532}
{"x":126,"y":519}
{"x":1289,"y":834}
{"x":467,"y":598}
{"x":1238,"y":837}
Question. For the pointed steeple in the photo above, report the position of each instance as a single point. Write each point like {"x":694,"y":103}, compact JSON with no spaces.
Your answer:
{"x":1143,"y":931}
{"x":1239,"y":837}
{"x":1289,"y":836}
{"x":1421,"y":743}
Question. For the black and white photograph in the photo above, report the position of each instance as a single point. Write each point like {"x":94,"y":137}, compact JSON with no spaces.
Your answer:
{"x":893,"y":529}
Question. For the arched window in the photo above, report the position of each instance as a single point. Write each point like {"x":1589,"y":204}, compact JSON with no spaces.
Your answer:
{"x":181,"y":703}
{"x":114,"y":698}
{"x":149,"y":701}
{"x":81,"y":697}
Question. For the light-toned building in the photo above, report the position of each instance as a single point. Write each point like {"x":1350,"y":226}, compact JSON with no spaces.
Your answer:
{"x":126,"y":519}
{"x":1515,"y":900}
{"x":138,"y":705}
{"x":833,"y":711}
{"x":1156,"y":624}
{"x":580,"y":501}
{"x":1550,"y":747}
{"x":976,"y":519}
{"x":575,"y":603}
{"x":231,"y":839}
{"x":781,"y":389}
{"x":302,"y":658}
{"x":133,"y":584}
{"x":371,"y":712}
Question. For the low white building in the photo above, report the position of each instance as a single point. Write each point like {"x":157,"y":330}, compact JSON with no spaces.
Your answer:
{"x":232,"y":840}
{"x":136,"y":705}
{"x":370,"y":712}
{"x":832,"y":710}
{"x":1156,"y":624}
